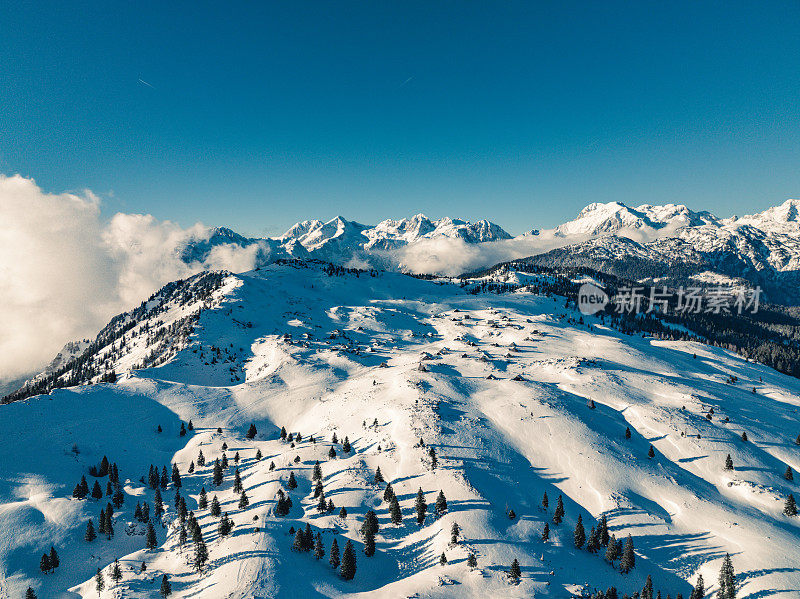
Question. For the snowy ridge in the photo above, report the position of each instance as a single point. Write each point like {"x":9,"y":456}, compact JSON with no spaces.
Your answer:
{"x":515,"y":394}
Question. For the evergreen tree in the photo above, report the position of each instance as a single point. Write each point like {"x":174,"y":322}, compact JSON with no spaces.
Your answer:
{"x":224,"y":461}
{"x":441,"y":504}
{"x":388,"y":492}
{"x":651,"y":453}
{"x":166,"y":587}
{"x":151,"y":542}
{"x":420,"y":506}
{"x":217,"y":473}
{"x":788,"y":475}
{"x":164,"y":482}
{"x":346,"y":445}
{"x":343,"y":513}
{"x":308,"y":538}
{"x":109,"y":488}
{"x":201,"y":459}
{"x":202,"y":502}
{"x":90,"y":535}
{"x":30,"y":594}
{"x":224,"y":446}
{"x":97,"y":492}
{"x":369,"y":543}
{"x":602,"y":529}
{"x":182,"y":536}
{"x":472,"y":562}
{"x":116,"y":572}
{"x":158,"y":504}
{"x":558,"y":514}
{"x":317,"y":472}
{"x":191,"y":425}
{"x":225,"y":525}
{"x":443,"y":559}
{"x":243,"y":501}
{"x":744,"y":437}
{"x":545,"y":501}
{"x":55,"y":562}
{"x":330,"y":507}
{"x":455,"y":530}
{"x":182,"y":432}
{"x":593,"y":543}
{"x":137,"y":513}
{"x":44,"y":563}
{"x":331,"y":452}
{"x":728,"y":463}
{"x":319,"y":548}
{"x":434,"y":459}
{"x":334,"y":439}
{"x":546,"y":533}
{"x":612,"y":551}
{"x":727,"y":579}
{"x":378,"y":476}
{"x":259,"y":455}
{"x":146,"y":512}
{"x":579,"y":537}
{"x":647,"y":591}
{"x":271,"y":466}
{"x":292,"y":482}
{"x":627,"y":432}
{"x":628,"y":560}
{"x":176,"y":476}
{"x":236,"y":458}
{"x":237,"y":482}
{"x":699,"y":591}
{"x":290,"y":438}
{"x":283,"y":433}
{"x":200,"y":552}
{"x":99,"y":582}
{"x":109,"y":526}
{"x":348,"y":567}
{"x":370,"y":523}
{"x":251,"y":432}
{"x":514,"y":572}
{"x":118,"y":498}
{"x":334,"y":558}
{"x":790,"y":507}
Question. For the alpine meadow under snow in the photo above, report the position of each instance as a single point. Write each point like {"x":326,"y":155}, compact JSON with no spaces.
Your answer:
{"x":451,"y":441}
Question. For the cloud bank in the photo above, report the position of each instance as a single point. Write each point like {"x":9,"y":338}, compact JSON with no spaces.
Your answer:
{"x":64,"y":272}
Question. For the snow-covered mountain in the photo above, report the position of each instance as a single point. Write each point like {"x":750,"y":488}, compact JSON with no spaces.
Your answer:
{"x":515,"y":395}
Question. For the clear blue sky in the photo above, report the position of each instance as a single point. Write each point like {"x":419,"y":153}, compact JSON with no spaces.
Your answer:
{"x":257,"y":115}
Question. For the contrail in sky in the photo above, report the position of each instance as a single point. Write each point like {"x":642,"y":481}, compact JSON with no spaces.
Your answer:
{"x":404,"y":82}
{"x":145,"y":82}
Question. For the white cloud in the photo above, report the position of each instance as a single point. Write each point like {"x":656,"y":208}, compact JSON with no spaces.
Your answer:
{"x":64,"y":273}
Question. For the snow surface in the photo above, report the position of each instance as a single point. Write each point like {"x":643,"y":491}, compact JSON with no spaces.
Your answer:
{"x":302,"y":349}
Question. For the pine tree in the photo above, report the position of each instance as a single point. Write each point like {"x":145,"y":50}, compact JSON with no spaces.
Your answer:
{"x":97,"y":492}
{"x":647,"y":591}
{"x":331,"y":452}
{"x":146,"y":512}
{"x":545,"y":501}
{"x":30,"y":594}
{"x":283,"y":433}
{"x":109,"y":527}
{"x":790,"y":507}
{"x":395,"y":514}
{"x":251,"y":432}
{"x":602,"y":530}
{"x":237,"y":482}
{"x":201,"y":459}
{"x":627,"y":432}
{"x":182,"y":535}
{"x":546,"y":533}
{"x":378,"y":476}
{"x":158,"y":504}
{"x":292,"y":482}
{"x":317,"y":472}
{"x":243,"y":501}
{"x":420,"y":506}
{"x":369,"y":543}
{"x":236,"y":458}
{"x":612,"y":552}
{"x":699,"y":591}
{"x":728,"y":463}
{"x":118,"y":498}
{"x":744,"y":437}
{"x":370,"y":523}
{"x":441,"y":504}
{"x":217,"y":473}
{"x":271,"y":466}
{"x":628,"y":560}
{"x":434,"y":459}
{"x":348,"y":567}
{"x":202,"y":502}
{"x":200,"y":553}
{"x":90,"y":535}
{"x":182,"y":432}
{"x":116,"y":572}
{"x":44,"y":563}
{"x":151,"y":541}
{"x":109,"y":488}
{"x":788,"y":475}
{"x":224,"y":461}
{"x":727,"y":579}
{"x":334,"y":558}
{"x":593,"y":543}
{"x":330,"y":507}
{"x":579,"y":537}
{"x":164,"y":482}
{"x":225,"y":525}
{"x":166,"y":587}
{"x":334,"y":439}
{"x":651,"y":453}
{"x":319,"y":548}
{"x":346,"y":445}
{"x":455,"y":530}
{"x":558,"y":515}
{"x":299,"y":540}
{"x":55,"y":562}
{"x":259,"y":455}
{"x":388,"y":492}
{"x":472,"y":562}
{"x":99,"y":582}
{"x":176,"y":476}
{"x":514,"y":572}
{"x":343,"y":513}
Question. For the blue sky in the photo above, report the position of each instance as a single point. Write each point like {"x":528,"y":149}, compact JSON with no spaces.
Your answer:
{"x":257,"y":115}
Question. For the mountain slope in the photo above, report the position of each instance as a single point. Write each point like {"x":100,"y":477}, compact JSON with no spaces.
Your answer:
{"x":499,"y":385}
